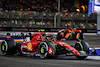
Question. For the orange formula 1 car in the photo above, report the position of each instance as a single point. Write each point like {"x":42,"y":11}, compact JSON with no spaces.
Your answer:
{"x":70,"y":34}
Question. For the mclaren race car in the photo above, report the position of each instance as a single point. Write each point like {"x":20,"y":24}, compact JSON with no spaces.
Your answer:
{"x":70,"y":34}
{"x":44,"y":47}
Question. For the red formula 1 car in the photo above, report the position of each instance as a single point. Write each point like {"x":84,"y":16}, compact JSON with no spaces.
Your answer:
{"x":44,"y":46}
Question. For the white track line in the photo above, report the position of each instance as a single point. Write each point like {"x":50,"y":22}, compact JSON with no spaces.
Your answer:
{"x":93,"y":57}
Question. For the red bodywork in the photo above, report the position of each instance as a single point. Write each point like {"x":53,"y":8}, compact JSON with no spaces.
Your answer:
{"x":32,"y":46}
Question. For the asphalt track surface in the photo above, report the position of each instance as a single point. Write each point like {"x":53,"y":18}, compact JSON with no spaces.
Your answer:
{"x":61,"y":61}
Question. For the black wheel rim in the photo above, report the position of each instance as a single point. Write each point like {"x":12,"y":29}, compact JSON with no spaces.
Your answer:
{"x":78,"y":47}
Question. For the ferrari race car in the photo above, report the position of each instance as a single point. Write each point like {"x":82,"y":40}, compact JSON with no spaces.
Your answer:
{"x":70,"y":34}
{"x":44,"y":47}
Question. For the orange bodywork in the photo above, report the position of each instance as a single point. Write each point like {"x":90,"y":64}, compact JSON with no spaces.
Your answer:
{"x":78,"y":31}
{"x":67,"y":35}
{"x":70,"y":33}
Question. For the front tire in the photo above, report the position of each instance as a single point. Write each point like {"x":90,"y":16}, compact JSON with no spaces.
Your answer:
{"x":83,"y":48}
{"x":43,"y":50}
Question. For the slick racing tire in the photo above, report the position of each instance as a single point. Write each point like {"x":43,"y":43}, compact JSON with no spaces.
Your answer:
{"x":78,"y":46}
{"x":85,"y":46}
{"x":8,"y":47}
{"x":82,"y":47}
{"x":43,"y":50}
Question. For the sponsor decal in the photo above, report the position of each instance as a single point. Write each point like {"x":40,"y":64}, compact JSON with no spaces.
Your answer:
{"x":29,"y":46}
{"x":77,"y":54}
{"x":66,"y":44}
{"x":50,"y":50}
{"x":63,"y":43}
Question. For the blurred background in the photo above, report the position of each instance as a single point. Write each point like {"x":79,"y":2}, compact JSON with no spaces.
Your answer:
{"x":44,"y":14}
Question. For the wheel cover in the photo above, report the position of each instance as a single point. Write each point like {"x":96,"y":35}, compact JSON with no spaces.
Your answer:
{"x":42,"y":50}
{"x":3,"y":47}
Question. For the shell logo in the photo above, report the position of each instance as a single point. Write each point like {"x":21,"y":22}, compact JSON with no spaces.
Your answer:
{"x":29,"y":46}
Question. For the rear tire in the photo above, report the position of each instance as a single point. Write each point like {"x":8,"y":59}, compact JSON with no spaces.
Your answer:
{"x":8,"y":47}
{"x":4,"y":48}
